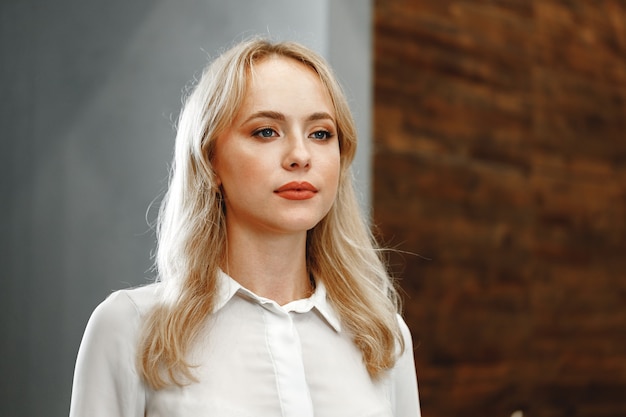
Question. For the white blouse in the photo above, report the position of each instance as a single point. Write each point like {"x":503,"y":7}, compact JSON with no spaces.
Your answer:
{"x":254,"y":358}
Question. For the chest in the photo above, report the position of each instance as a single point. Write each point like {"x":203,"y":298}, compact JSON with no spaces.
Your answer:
{"x":253,"y":363}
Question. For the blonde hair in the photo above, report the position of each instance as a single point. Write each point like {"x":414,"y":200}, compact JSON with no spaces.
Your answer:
{"x":341,"y":251}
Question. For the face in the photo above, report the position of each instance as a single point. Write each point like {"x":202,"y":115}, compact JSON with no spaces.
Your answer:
{"x":278,"y":163}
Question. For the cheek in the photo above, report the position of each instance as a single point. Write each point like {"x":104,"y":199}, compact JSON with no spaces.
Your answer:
{"x":332,"y":173}
{"x":335,"y":166}
{"x":230,"y":163}
{"x":250,"y":167}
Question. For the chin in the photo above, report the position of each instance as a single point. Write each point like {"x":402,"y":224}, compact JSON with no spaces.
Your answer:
{"x":292,"y":225}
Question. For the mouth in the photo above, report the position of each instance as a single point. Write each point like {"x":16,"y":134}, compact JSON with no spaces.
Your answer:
{"x":296,"y":191}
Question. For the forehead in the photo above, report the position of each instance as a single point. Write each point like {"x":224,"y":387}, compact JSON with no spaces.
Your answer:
{"x":278,"y":64}
{"x":281,"y":78}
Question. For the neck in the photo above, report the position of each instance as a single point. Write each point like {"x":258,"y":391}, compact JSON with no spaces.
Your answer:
{"x":271,"y":266}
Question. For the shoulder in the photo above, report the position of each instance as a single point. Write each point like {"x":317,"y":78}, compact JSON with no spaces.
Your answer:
{"x":106,"y":381}
{"x":405,"y":395}
{"x":123,"y":310}
{"x":406,"y":333}
{"x":141,"y":299}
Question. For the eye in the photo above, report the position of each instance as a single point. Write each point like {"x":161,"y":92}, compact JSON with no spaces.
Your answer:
{"x":321,"y":135}
{"x":266,"y":132}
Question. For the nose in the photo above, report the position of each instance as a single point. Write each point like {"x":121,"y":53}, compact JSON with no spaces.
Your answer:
{"x":297,"y":155}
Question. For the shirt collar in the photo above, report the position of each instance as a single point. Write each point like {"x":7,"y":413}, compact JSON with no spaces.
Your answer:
{"x":228,"y":287}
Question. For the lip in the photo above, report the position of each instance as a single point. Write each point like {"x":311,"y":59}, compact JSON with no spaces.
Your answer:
{"x":296,"y":190}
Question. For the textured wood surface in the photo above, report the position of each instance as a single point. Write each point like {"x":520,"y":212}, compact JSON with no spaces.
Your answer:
{"x":500,"y":134}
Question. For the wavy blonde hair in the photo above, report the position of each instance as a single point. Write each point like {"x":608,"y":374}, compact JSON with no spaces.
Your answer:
{"x":192,"y":236}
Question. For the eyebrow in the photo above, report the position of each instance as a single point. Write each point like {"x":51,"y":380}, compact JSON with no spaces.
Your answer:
{"x":265,"y":114}
{"x":320,"y":116}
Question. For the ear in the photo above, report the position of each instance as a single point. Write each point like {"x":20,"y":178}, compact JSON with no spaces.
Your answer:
{"x":216,"y":177}
{"x":213,"y":170}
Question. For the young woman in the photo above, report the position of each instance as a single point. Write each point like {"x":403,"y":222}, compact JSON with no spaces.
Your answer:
{"x":271,"y":297}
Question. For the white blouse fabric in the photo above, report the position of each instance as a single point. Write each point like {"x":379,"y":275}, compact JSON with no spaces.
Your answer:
{"x":254,"y":358}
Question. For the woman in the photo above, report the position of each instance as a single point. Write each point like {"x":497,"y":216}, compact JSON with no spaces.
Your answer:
{"x":271,"y":299}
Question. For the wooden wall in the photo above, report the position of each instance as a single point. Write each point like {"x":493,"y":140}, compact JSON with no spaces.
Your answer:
{"x":500,"y":135}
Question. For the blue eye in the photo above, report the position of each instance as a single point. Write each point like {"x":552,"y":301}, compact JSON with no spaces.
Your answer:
{"x":321,"y":135}
{"x":266,"y":132}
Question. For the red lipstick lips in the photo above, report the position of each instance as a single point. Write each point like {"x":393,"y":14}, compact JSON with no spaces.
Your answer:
{"x":296,"y":191}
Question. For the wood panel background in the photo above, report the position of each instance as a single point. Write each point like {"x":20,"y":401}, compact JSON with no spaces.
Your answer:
{"x":500,"y":134}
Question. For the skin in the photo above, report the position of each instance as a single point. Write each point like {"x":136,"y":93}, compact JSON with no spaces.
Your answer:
{"x":285,"y":131}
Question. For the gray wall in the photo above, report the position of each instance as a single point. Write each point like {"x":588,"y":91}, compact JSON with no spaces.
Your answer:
{"x":89,"y":93}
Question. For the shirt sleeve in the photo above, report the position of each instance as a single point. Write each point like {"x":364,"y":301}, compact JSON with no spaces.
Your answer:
{"x":106,"y":383}
{"x":405,"y":393}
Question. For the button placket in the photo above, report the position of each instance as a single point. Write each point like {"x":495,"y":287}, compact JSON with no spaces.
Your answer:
{"x":283,"y":343}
